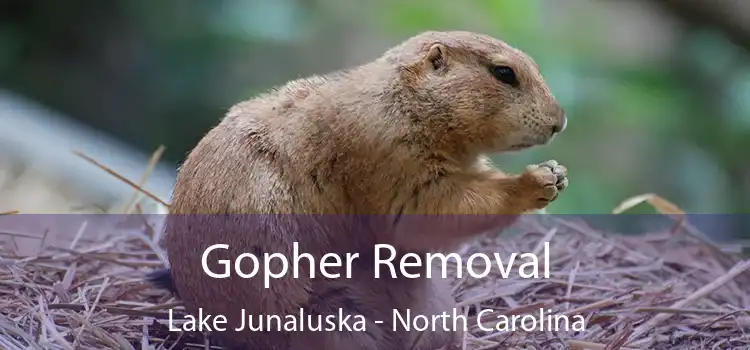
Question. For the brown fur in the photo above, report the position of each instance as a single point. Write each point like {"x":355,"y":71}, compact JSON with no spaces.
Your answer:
{"x":407,"y":133}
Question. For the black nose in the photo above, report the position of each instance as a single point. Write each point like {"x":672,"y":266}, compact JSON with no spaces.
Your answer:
{"x":556,"y":129}
{"x":561,"y":118}
{"x":560,"y":125}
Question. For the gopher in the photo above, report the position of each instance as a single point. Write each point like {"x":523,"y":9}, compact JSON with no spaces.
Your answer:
{"x":404,"y":138}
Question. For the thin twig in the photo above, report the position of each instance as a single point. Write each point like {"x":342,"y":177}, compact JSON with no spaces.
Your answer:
{"x":121,"y":178}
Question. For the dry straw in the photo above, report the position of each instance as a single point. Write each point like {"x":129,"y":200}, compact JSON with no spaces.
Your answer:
{"x":659,"y":290}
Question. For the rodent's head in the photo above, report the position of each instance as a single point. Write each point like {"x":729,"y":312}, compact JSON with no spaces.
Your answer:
{"x":477,"y":90}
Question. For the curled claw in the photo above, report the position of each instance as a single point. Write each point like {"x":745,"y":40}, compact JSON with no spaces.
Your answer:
{"x":559,"y":171}
{"x":547,"y":179}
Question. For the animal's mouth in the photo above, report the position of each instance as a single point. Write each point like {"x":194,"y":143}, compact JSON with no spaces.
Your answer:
{"x":520,"y":146}
{"x":529,"y":142}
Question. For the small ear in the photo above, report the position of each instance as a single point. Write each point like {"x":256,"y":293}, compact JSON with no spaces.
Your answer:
{"x":435,"y":57}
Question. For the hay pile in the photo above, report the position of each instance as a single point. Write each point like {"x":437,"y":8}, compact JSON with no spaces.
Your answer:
{"x":660,"y":290}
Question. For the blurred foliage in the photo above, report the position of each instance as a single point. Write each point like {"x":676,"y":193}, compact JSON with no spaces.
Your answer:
{"x":153,"y":72}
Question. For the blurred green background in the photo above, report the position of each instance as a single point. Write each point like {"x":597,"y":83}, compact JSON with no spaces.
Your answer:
{"x":658,"y":98}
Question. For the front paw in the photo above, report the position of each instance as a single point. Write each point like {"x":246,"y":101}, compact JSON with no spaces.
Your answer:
{"x":542,"y":183}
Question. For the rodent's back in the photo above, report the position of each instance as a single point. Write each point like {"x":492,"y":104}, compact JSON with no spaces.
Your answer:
{"x":305,"y":147}
{"x":269,"y":162}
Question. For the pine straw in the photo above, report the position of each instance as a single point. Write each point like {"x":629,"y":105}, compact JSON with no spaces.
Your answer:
{"x":661,"y":291}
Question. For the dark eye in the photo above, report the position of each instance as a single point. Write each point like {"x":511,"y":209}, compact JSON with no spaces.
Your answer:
{"x":505,"y":74}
